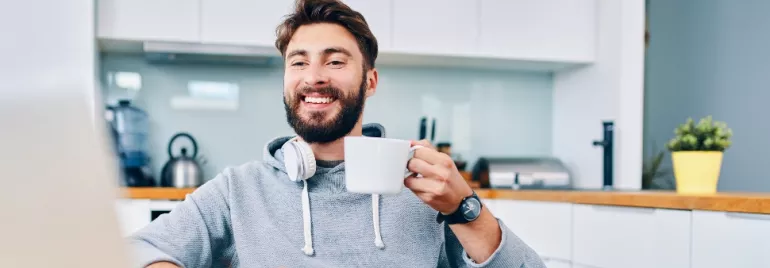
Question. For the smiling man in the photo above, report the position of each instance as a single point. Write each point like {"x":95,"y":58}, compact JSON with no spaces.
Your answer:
{"x":285,"y":212}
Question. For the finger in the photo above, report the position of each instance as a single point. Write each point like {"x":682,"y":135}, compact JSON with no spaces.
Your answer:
{"x":423,"y":143}
{"x":421,"y":185}
{"x":429,"y":170}
{"x":434,"y":157}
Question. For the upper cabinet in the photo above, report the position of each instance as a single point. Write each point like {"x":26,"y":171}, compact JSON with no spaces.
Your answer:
{"x":149,"y":20}
{"x":242,"y":22}
{"x":542,"y":34}
{"x":435,"y":27}
{"x":379,"y":16}
{"x":555,"y":30}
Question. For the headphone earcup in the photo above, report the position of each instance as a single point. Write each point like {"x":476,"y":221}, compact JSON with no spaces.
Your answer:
{"x":298,"y":159}
{"x":308,"y":159}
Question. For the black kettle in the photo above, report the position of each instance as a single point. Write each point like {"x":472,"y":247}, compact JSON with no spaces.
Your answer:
{"x":182,"y":171}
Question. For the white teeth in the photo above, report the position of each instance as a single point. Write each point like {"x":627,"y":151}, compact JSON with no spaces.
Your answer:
{"x":318,"y":100}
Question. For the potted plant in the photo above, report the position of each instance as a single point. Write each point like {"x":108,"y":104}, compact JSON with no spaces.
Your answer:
{"x":696,"y":152}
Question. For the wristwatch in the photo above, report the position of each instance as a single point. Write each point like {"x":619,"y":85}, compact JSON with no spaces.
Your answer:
{"x":468,"y":211}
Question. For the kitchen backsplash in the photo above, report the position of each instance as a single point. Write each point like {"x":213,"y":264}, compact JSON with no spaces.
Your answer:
{"x":482,"y":113}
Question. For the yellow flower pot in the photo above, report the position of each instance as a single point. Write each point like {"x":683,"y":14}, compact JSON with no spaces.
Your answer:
{"x":697,"y":172}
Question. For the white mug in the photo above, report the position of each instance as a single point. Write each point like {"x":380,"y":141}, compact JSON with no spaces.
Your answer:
{"x":376,"y":165}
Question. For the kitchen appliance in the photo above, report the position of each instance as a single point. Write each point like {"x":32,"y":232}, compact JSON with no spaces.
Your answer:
{"x":608,"y":129}
{"x":182,"y":171}
{"x":129,"y":127}
{"x":521,"y":173}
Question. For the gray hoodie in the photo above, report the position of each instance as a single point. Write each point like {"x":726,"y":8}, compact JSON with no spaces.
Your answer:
{"x":253,"y":216}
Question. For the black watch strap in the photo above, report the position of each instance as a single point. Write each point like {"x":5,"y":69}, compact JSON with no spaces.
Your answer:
{"x":468,"y":211}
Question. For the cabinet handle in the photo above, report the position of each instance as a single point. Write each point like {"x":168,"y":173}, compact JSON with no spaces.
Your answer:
{"x":751,"y":216}
{"x":583,"y":265}
{"x":549,"y":259}
{"x":624,"y":209}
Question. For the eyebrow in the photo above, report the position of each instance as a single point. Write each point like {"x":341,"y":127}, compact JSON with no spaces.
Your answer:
{"x":328,"y":51}
{"x":298,"y":52}
{"x":333,"y":50}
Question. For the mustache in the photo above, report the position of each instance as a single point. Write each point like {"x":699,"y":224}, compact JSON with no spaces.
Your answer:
{"x":327,"y":90}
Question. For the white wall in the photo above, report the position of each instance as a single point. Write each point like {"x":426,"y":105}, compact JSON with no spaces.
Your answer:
{"x":709,"y":57}
{"x":610,"y":89}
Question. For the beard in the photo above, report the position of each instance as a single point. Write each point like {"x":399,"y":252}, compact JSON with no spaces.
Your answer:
{"x":316,"y":129}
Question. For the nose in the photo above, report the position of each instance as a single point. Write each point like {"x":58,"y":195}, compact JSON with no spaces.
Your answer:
{"x":316,"y":76}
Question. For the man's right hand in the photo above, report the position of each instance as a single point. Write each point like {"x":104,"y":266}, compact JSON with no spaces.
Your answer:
{"x":162,"y":264}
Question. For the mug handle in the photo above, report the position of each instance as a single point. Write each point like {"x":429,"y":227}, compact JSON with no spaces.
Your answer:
{"x":408,"y":173}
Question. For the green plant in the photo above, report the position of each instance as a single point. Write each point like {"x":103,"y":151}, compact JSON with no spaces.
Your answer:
{"x":707,"y":135}
{"x":654,"y":176}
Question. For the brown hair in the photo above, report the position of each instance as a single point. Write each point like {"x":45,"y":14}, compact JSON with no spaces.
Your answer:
{"x":328,"y":11}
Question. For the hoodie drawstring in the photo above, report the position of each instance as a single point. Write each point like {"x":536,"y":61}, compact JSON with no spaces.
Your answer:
{"x":376,"y":220}
{"x":308,"y":249}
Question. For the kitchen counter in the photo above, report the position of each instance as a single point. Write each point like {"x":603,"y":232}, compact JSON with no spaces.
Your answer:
{"x":161,"y":193}
{"x":729,"y":202}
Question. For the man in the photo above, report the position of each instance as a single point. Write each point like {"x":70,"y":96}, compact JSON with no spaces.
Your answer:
{"x":254,"y":215}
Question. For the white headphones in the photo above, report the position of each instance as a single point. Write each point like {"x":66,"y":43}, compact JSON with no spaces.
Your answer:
{"x":298,"y":157}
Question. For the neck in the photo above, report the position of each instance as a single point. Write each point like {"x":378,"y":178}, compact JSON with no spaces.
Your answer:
{"x":334,"y":150}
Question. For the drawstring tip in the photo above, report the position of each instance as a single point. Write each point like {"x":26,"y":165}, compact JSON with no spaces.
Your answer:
{"x":379,"y":244}
{"x":308,"y":250}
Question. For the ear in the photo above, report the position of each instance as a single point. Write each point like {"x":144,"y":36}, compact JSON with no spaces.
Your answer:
{"x":372,"y":80}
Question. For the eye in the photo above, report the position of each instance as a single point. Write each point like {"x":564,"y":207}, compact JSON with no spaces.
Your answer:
{"x":336,"y":63}
{"x":298,"y":64}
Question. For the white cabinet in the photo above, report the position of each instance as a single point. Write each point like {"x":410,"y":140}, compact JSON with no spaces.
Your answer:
{"x":242,"y":22}
{"x":149,"y":20}
{"x":559,"y":30}
{"x":629,"y":237}
{"x":544,"y":226}
{"x":724,"y":239}
{"x":555,"y":263}
{"x":447,"y":27}
{"x":133,"y":214}
{"x":379,"y":16}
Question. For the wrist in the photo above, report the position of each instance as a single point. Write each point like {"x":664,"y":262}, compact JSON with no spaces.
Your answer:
{"x":468,"y":210}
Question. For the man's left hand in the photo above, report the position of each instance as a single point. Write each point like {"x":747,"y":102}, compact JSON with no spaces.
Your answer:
{"x":441,"y":185}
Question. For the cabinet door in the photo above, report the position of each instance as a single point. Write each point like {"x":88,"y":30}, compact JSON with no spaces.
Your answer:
{"x":242,"y":22}
{"x":543,"y":29}
{"x":609,"y":236}
{"x":721,"y":239}
{"x":448,"y":27}
{"x":544,"y":226}
{"x":379,"y":15}
{"x":143,"y":20}
{"x":555,"y":263}
{"x":133,"y":214}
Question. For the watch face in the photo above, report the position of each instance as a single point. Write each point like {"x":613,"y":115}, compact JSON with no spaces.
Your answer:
{"x":471,"y":209}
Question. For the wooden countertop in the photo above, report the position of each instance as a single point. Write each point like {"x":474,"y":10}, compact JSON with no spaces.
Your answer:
{"x":156,"y":193}
{"x":730,"y":202}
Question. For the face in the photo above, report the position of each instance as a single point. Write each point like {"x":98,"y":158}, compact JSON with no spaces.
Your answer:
{"x":325,"y":83}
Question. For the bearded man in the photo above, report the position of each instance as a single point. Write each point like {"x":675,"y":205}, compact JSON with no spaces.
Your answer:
{"x":262,"y":214}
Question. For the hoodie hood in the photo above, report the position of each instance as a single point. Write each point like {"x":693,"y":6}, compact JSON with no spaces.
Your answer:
{"x":324,"y":180}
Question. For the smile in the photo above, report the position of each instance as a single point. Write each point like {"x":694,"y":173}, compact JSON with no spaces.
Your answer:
{"x":317,"y":101}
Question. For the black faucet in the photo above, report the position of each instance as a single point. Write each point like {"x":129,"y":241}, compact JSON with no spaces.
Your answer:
{"x":607,"y":144}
